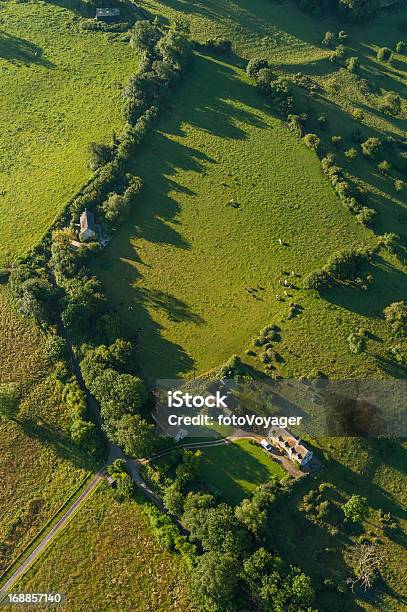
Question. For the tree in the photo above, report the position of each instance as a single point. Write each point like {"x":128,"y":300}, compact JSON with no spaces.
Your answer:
{"x":384,"y":54}
{"x":383,"y":167}
{"x":338,"y":54}
{"x":399,"y":185}
{"x":337,"y":141}
{"x":145,"y":36}
{"x":356,"y":509}
{"x":396,"y":315}
{"x":85,"y":303}
{"x":370,"y":147}
{"x":351,"y":154}
{"x":118,"y":466}
{"x":401,"y":46}
{"x":329,"y":39}
{"x":216,"y":527}
{"x":99,"y":155}
{"x":367,"y":560}
{"x":9,"y":402}
{"x":38,"y":300}
{"x":312,"y":141}
{"x":84,"y":434}
{"x":255,"y":65}
{"x":55,"y":348}
{"x":118,"y":394}
{"x":353,"y":64}
{"x":357,"y":341}
{"x":173,"y":499}
{"x":134,"y":435}
{"x":390,"y":240}
{"x":215,"y":579}
{"x":124,"y":486}
{"x":390,"y":103}
{"x":251,"y":516}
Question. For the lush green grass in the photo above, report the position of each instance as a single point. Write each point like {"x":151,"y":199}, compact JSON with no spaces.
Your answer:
{"x":237,"y":469}
{"x":61,"y":89}
{"x":106,"y":559}
{"x":179,"y":268}
{"x":39,"y":469}
{"x":376,"y":470}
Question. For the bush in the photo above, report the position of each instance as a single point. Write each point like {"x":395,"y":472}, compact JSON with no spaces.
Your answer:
{"x":384,"y":54}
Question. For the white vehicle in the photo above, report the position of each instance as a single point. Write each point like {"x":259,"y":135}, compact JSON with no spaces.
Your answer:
{"x":266,"y":446}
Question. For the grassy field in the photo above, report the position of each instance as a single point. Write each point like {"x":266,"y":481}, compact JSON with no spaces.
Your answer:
{"x":38,"y":466}
{"x":61,"y":89}
{"x":374,"y":469}
{"x":106,"y":559}
{"x":181,"y":266}
{"x":237,"y":469}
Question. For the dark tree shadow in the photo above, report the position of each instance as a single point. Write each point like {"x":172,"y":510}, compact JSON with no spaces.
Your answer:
{"x":20,"y":51}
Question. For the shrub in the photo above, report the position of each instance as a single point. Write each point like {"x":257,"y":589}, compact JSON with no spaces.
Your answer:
{"x":384,"y":54}
{"x":336,"y":141}
{"x":342,"y":36}
{"x":399,"y":185}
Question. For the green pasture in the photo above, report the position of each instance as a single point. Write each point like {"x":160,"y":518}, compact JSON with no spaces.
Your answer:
{"x":61,"y":89}
{"x":107,"y":558}
{"x":237,"y":469}
{"x":224,"y":180}
{"x":39,"y":466}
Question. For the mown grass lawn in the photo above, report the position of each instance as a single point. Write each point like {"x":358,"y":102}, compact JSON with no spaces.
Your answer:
{"x":39,"y":468}
{"x":61,"y":89}
{"x":107,"y":559}
{"x":237,"y":469}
